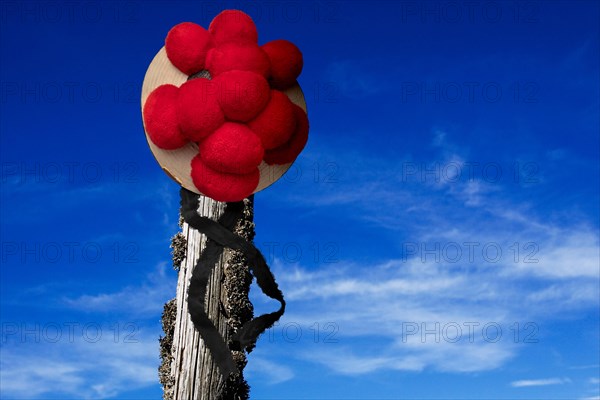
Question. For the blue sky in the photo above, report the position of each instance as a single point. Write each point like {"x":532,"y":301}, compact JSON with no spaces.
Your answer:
{"x":438,"y":238}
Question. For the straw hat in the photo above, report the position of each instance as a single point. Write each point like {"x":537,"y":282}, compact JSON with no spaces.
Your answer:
{"x":225,"y":40}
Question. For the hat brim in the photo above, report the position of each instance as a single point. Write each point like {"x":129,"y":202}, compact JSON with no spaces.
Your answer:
{"x":177,"y":163}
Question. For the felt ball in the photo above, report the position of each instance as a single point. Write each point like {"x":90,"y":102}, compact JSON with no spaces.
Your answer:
{"x":290,"y":150}
{"x":242,"y":56}
{"x":222,"y":186}
{"x":233,"y":148}
{"x":186,"y":45}
{"x":233,"y":26}
{"x":242,"y":94}
{"x":286,"y":63}
{"x":276,"y":123}
{"x":160,"y":118}
{"x":198,"y":109}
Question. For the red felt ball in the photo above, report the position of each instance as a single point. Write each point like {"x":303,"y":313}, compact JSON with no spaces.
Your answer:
{"x":222,"y":186}
{"x":186,"y":45}
{"x":198,"y":110}
{"x":242,"y":94}
{"x":286,"y":63}
{"x":243,"y":56}
{"x":290,"y":150}
{"x":160,"y":118}
{"x":233,"y":148}
{"x":276,"y":123}
{"x":233,"y":26}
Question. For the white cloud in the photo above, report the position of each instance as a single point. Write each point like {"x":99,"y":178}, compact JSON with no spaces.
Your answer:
{"x":590,"y":366}
{"x":378,"y":301}
{"x":570,"y":254}
{"x":145,"y":299}
{"x":433,"y":211}
{"x":371,"y":305}
{"x":540,"y":382}
{"x":345,"y":362}
{"x":392,"y":306}
{"x":94,"y":360}
{"x":545,"y":266}
{"x":413,"y":355}
{"x":80,"y":369}
{"x":272,"y":372}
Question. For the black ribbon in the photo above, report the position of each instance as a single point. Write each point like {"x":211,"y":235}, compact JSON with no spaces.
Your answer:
{"x":219,"y":235}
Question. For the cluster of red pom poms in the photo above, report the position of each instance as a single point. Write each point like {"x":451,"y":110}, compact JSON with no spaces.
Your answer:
{"x":240,"y":117}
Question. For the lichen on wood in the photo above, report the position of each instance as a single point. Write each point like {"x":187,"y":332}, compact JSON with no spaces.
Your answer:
{"x":178,"y":244}
{"x":166,"y":345}
{"x":238,"y":308}
{"x":188,"y":372}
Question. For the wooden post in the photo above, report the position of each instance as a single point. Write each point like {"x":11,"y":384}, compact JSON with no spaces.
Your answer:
{"x":188,"y":371}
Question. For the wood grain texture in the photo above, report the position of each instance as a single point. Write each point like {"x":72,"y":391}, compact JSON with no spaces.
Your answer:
{"x":193,"y":373}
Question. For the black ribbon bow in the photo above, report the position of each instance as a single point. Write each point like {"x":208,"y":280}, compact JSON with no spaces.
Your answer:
{"x":219,"y":235}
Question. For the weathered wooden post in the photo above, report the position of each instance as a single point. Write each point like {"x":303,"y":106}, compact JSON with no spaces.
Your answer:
{"x":225,"y":118}
{"x":188,"y":370}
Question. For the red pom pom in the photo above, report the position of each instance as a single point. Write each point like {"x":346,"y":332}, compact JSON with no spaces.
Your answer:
{"x":275,"y":125}
{"x":233,"y":26}
{"x":223,"y":186}
{"x":289,"y":151}
{"x":160,"y":118}
{"x":186,"y":45}
{"x":286,"y":63}
{"x":242,"y":56}
{"x":198,"y":110}
{"x":233,"y":148}
{"x":242,"y":94}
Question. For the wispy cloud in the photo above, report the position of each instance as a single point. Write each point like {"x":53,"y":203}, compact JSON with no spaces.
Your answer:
{"x":425,"y":315}
{"x":540,"y":382}
{"x":91,"y":360}
{"x":352,"y":79}
{"x":591,"y":366}
{"x":80,"y":369}
{"x":406,"y":312}
{"x":544,"y":265}
{"x":145,"y":299}
{"x":415,"y":355}
{"x":273,"y":372}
